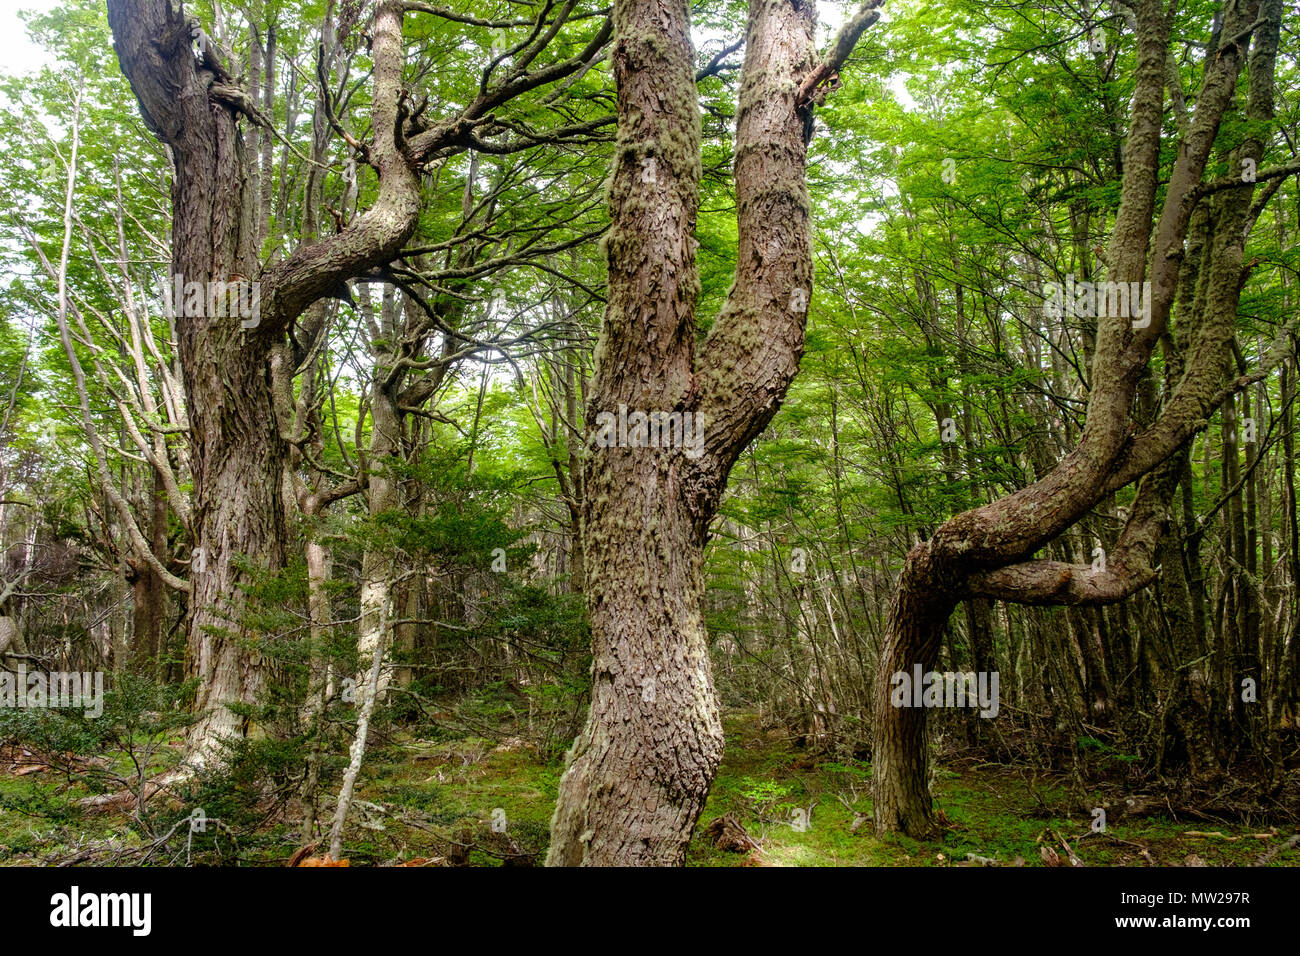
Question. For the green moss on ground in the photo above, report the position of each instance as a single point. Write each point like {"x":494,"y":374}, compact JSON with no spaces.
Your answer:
{"x":992,"y":812}
{"x":430,"y":800}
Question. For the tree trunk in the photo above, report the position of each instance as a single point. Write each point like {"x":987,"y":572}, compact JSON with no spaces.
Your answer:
{"x":641,"y":769}
{"x":639,"y":773}
{"x":239,"y":456}
{"x":920,"y":610}
{"x":383,"y":494}
{"x":988,"y":551}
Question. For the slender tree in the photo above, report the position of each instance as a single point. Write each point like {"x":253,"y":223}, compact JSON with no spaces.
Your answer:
{"x":988,"y":551}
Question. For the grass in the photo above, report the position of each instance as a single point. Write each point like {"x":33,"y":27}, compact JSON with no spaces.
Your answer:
{"x":993,"y":812}
{"x":39,"y":819}
{"x":425,"y":800}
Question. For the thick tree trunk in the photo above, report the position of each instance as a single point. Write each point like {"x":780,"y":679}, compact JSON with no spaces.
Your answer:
{"x":239,"y":515}
{"x":921,"y":606}
{"x":639,"y":773}
{"x":239,"y":456}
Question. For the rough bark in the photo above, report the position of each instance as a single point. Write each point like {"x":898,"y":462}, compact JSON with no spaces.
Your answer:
{"x":638,"y":774}
{"x":986,"y":551}
{"x":238,"y":453}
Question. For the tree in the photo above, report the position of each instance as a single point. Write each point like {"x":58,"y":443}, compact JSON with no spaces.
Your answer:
{"x":638,"y":774}
{"x":191,"y":101}
{"x":1127,"y":437}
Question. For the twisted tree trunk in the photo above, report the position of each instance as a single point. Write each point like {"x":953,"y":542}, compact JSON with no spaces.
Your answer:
{"x":639,"y":773}
{"x":987,"y":552}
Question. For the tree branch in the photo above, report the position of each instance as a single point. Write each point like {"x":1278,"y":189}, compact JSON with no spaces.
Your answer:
{"x":840,"y":50}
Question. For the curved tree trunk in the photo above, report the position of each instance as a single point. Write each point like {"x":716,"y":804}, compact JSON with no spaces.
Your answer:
{"x":988,"y":551}
{"x":192,"y":103}
{"x":639,"y":773}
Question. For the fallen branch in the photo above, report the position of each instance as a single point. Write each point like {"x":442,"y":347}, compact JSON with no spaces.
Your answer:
{"x":1289,"y":844}
{"x":727,"y":833}
{"x":1210,"y":833}
{"x":1074,"y":857}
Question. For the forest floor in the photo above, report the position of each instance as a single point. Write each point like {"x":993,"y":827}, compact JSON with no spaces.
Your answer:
{"x":423,"y":802}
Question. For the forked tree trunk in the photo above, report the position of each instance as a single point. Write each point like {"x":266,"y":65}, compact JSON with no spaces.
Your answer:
{"x":639,"y":773}
{"x":190,"y":101}
{"x":641,"y":768}
{"x":987,"y":552}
